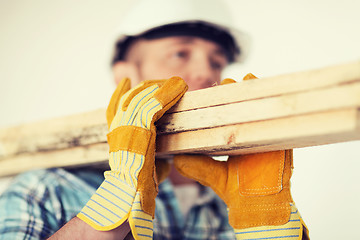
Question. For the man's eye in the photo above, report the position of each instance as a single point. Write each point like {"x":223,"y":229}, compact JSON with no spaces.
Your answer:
{"x":180,"y":54}
{"x":217,"y":65}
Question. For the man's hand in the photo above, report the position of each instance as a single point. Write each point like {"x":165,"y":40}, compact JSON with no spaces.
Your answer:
{"x":256,"y":189}
{"x":130,"y":187}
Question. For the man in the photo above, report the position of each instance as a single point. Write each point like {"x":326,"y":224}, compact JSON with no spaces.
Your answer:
{"x":196,"y":48}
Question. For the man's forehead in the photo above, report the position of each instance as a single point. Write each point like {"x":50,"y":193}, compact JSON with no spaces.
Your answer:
{"x":191,"y":41}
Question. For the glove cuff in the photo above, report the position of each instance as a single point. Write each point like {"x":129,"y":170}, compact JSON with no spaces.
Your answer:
{"x":259,"y":215}
{"x":293,"y":228}
{"x":110,"y":206}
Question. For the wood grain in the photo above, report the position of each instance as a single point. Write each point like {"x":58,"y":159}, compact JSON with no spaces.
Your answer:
{"x":268,"y":135}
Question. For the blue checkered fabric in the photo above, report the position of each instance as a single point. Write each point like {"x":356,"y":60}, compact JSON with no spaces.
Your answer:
{"x":38,"y":203}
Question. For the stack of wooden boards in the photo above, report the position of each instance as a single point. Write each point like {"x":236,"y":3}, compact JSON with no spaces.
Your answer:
{"x":290,"y":111}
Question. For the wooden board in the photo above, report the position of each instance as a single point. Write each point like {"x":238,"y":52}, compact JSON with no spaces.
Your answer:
{"x":294,"y":110}
{"x":318,"y":100}
{"x":276,"y":134}
{"x":54,"y":134}
{"x":93,"y":154}
{"x":268,"y":135}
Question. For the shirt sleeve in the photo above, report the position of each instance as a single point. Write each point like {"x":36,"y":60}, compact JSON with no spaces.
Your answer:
{"x":37,"y":203}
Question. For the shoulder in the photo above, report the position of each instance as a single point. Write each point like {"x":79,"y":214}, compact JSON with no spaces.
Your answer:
{"x":48,"y":183}
{"x":39,"y":202}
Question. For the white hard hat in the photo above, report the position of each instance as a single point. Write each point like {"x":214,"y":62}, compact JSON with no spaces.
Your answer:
{"x":152,"y":14}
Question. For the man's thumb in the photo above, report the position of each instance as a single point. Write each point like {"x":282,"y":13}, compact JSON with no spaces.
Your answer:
{"x":203,"y":169}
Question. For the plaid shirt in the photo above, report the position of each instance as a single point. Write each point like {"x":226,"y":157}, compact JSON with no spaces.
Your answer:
{"x":38,"y":203}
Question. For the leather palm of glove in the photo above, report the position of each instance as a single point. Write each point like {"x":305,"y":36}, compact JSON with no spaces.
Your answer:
{"x":130,"y":187}
{"x":256,"y":189}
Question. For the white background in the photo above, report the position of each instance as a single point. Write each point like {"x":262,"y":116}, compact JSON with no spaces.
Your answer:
{"x":54,"y":61}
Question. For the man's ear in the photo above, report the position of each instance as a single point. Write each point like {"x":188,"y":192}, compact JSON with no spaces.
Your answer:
{"x":125,"y":69}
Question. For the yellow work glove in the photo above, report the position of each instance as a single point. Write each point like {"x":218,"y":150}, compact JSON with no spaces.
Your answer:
{"x":256,"y":189}
{"x":130,"y":187}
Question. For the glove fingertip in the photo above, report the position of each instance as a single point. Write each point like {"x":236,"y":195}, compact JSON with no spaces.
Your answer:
{"x":172,"y":90}
{"x":249,"y":76}
{"x":227,"y":81}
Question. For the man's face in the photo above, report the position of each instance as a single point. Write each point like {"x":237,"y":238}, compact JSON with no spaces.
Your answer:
{"x":198,"y":61}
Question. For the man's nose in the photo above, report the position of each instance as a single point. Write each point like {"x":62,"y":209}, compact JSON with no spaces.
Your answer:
{"x":200,"y":75}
